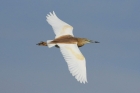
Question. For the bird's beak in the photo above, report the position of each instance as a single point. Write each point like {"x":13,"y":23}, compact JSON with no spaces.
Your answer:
{"x":97,"y":42}
{"x":90,"y":41}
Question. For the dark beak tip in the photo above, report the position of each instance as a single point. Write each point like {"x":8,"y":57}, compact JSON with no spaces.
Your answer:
{"x":97,"y":42}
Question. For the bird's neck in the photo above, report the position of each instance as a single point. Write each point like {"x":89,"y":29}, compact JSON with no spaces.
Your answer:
{"x":80,"y":42}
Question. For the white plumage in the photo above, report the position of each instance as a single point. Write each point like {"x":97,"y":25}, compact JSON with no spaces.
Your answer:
{"x":75,"y":60}
{"x":60,"y":27}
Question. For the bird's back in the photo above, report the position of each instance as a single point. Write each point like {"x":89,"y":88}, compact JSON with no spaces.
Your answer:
{"x":66,"y":39}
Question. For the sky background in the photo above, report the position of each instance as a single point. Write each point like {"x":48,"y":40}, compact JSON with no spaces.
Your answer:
{"x":113,"y":65}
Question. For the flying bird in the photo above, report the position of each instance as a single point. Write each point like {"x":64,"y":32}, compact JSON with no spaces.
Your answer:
{"x":68,"y":45}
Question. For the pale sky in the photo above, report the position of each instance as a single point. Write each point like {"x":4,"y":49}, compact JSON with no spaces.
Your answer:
{"x":113,"y":65}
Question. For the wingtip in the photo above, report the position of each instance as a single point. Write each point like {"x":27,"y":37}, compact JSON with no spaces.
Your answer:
{"x":53,"y":12}
{"x":83,"y":82}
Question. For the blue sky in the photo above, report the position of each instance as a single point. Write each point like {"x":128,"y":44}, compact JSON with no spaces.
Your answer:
{"x":113,"y":66}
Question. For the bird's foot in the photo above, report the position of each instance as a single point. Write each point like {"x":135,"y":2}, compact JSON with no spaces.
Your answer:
{"x":42,"y":43}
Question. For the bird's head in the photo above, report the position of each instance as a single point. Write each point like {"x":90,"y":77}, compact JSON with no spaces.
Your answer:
{"x":85,"y":40}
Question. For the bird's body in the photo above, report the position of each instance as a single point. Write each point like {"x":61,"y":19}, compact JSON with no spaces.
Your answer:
{"x":68,"y":45}
{"x":67,"y":39}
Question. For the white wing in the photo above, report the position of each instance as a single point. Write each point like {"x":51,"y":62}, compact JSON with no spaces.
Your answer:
{"x":75,"y":60}
{"x":60,"y":27}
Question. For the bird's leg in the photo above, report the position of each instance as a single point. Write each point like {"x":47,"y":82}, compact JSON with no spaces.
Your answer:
{"x":42,"y":43}
{"x":45,"y":44}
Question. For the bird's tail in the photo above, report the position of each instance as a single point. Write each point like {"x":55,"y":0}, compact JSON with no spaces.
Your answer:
{"x":50,"y":44}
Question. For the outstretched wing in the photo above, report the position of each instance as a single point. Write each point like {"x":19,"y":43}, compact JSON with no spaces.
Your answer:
{"x":60,"y":27}
{"x":75,"y":60}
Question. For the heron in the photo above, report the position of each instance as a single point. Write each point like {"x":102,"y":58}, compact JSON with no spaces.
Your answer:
{"x":69,"y":46}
